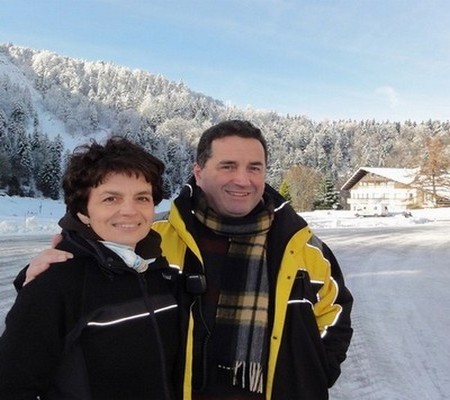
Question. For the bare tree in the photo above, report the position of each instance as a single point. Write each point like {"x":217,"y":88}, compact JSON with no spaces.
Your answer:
{"x":433,"y":174}
{"x":304,"y":183}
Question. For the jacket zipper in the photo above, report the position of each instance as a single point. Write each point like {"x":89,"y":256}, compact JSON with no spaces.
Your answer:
{"x":150,"y":308}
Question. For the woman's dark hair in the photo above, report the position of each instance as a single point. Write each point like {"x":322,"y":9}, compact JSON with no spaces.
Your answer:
{"x":223,"y":129}
{"x":90,"y":164}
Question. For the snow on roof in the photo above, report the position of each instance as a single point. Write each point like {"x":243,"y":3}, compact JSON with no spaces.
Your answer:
{"x":402,"y":175}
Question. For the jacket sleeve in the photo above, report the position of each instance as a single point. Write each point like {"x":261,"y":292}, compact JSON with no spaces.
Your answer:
{"x":332,"y":311}
{"x":31,"y":344}
{"x":20,"y":279}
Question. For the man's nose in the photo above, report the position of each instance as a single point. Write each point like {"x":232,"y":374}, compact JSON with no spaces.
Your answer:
{"x":242,"y":177}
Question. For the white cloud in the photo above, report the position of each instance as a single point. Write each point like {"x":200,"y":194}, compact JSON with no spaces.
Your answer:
{"x":389,"y":94}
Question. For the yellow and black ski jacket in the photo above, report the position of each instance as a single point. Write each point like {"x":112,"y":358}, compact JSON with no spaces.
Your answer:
{"x":310,"y":304}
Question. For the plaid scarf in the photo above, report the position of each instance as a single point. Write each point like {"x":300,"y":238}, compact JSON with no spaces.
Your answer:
{"x":242,"y":309}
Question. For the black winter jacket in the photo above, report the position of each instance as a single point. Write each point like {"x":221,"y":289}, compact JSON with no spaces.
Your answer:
{"x":93,"y":328}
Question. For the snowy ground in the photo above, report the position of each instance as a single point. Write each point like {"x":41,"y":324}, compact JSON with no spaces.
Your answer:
{"x":397,"y":269}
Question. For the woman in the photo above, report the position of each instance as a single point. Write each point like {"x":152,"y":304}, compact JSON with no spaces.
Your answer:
{"x":106,"y":324}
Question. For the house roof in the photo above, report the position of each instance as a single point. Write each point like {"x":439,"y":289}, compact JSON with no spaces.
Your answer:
{"x":402,"y":175}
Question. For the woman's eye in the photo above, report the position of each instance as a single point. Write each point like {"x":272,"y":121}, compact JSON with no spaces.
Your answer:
{"x":109,"y":199}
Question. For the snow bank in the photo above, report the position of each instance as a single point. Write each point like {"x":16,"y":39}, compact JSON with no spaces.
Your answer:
{"x":347,"y":219}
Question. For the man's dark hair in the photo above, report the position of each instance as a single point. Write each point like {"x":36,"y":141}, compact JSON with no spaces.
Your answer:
{"x":90,"y":164}
{"x":223,"y":129}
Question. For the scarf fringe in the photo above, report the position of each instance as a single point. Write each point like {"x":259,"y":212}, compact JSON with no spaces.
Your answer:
{"x":249,"y":376}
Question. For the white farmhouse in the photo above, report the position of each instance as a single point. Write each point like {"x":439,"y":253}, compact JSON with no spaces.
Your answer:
{"x":378,"y":191}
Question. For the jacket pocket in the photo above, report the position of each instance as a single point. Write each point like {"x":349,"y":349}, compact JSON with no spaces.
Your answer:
{"x":303,"y":290}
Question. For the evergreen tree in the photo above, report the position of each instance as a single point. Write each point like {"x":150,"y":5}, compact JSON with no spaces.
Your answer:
{"x":87,"y":97}
{"x":49,"y":180}
{"x":14,"y":144}
{"x":284,"y":190}
{"x":3,"y":125}
{"x":25,"y":161}
{"x":327,"y":197}
{"x":58,"y":147}
{"x":5,"y":168}
{"x":274,"y":173}
{"x":65,"y":160}
{"x":18,"y":116}
{"x":172,"y":159}
{"x":40,"y":145}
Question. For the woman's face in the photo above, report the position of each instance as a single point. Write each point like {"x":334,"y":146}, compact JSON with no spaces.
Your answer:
{"x":120,"y":209}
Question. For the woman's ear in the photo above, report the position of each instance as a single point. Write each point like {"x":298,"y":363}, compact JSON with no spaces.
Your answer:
{"x":83,"y":218}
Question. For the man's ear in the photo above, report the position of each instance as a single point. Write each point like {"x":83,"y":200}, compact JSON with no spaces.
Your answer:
{"x":197,"y":170}
{"x":83,"y":218}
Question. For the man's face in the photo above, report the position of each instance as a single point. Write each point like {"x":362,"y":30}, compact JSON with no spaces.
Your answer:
{"x":233,"y":178}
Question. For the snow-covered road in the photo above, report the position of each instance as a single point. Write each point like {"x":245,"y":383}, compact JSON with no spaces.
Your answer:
{"x":400,"y":279}
{"x":15,"y":252}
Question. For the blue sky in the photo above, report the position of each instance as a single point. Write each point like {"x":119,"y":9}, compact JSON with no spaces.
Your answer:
{"x":326,"y":59}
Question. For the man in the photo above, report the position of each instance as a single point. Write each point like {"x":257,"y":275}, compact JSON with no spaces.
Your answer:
{"x":273,"y":319}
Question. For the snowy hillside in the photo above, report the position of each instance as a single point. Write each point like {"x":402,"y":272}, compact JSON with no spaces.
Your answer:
{"x":44,"y":97}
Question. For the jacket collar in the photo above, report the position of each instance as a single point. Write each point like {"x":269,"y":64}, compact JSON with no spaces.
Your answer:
{"x":185,"y":199}
{"x":149,"y":247}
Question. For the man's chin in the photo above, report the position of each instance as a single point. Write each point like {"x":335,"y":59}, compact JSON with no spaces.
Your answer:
{"x":237,"y":212}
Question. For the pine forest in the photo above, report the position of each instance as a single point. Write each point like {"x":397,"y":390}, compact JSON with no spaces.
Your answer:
{"x":49,"y":103}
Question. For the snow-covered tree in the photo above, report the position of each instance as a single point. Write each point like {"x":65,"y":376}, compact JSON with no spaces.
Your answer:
{"x":25,"y":162}
{"x":88,"y":98}
{"x":327,"y":196}
{"x":49,"y":180}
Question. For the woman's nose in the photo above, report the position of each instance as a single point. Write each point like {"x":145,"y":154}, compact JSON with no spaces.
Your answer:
{"x":128,"y":207}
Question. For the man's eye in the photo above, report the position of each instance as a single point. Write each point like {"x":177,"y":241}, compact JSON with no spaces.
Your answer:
{"x":110,"y":199}
{"x":145,"y":199}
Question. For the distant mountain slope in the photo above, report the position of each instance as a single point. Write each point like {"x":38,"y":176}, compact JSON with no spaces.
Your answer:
{"x":50,"y":103}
